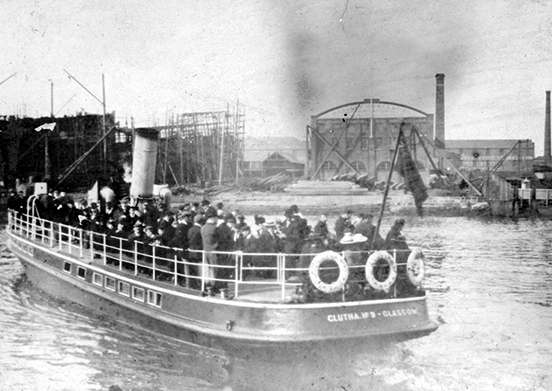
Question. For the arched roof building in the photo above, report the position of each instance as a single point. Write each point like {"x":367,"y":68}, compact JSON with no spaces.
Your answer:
{"x":360,"y":137}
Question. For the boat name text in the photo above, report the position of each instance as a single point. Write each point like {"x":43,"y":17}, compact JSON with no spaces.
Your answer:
{"x":371,"y":315}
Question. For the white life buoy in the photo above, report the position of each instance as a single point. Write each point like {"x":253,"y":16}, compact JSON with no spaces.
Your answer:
{"x":314,"y":270}
{"x":373,"y":260}
{"x":415,"y":266}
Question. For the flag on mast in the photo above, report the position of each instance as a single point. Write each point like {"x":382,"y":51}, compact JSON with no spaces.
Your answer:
{"x":50,"y":126}
{"x":407,"y":168}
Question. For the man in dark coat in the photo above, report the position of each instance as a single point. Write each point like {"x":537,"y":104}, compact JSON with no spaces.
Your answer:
{"x":367,"y":229}
{"x":342,"y":223}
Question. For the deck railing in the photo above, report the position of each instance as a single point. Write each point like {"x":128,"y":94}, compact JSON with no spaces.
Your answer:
{"x":172,"y":265}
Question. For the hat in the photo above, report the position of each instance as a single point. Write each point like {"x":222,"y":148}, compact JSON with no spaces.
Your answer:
{"x":211,"y":212}
{"x":240,"y":217}
{"x":205,"y":202}
{"x":359,"y":238}
{"x":186,"y":213}
{"x":270,"y":223}
{"x":198,"y":219}
{"x":347,"y":239}
{"x":148,"y":227}
{"x":125,"y":200}
{"x":229,"y":217}
{"x":137,"y":224}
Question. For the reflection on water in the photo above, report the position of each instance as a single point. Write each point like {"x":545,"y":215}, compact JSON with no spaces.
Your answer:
{"x":488,"y":282}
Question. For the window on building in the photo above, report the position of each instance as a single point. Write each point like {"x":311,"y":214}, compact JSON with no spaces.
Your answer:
{"x":377,"y":142}
{"x":67,"y":267}
{"x":359,"y":166}
{"x":328,"y":165}
{"x":364,"y":143}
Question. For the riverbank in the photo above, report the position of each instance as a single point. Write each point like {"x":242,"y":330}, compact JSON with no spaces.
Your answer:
{"x":398,"y":202}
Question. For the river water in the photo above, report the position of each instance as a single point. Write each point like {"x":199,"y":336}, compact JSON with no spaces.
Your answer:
{"x":489,"y":283}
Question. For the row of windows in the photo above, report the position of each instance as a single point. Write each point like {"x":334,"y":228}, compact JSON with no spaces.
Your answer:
{"x":121,"y":287}
{"x":23,"y":247}
{"x":352,"y":143}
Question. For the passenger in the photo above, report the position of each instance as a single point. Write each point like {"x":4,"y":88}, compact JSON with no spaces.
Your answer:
{"x":314,"y":244}
{"x":209,"y":244}
{"x":225,"y":238}
{"x":136,"y":242}
{"x":366,"y":228}
{"x":183,"y":225}
{"x":13,"y":202}
{"x":267,"y":244}
{"x":240,"y":224}
{"x":342,"y":223}
{"x":321,"y":227}
{"x":295,"y":233}
{"x":395,"y":238}
{"x":355,"y":250}
{"x":195,"y":242}
{"x":248,"y":246}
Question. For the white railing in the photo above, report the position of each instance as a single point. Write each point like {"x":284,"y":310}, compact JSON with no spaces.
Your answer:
{"x":172,"y":265}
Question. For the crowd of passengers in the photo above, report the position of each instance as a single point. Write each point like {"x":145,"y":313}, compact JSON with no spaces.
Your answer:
{"x":202,"y":226}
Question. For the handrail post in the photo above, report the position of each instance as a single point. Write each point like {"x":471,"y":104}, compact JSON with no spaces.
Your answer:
{"x":283,"y":282}
{"x":238,"y":267}
{"x":175,"y":269}
{"x":135,"y":258}
{"x":202,"y":270}
{"x":60,"y":237}
{"x":104,"y":249}
{"x":153,"y":262}
{"x":91,"y":246}
{"x":120,"y":253}
{"x":81,"y":245}
{"x":70,"y":238}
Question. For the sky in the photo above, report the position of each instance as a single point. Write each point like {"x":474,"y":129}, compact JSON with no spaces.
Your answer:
{"x":284,"y":60}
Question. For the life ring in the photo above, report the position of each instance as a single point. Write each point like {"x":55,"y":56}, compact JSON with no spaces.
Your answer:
{"x":415,"y":266}
{"x":372,"y":261}
{"x":314,"y":270}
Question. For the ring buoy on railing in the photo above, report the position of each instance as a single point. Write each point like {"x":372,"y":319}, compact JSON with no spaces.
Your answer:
{"x":415,"y":266}
{"x":314,"y":272}
{"x":376,"y":259}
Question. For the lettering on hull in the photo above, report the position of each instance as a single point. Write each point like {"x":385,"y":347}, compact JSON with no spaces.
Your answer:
{"x":371,"y":315}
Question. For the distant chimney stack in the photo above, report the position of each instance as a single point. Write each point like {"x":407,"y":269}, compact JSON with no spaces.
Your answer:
{"x":439,"y":133}
{"x":547,"y":157}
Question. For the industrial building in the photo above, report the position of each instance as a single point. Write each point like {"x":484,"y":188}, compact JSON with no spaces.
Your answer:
{"x":513,"y":157}
{"x":360,"y":137}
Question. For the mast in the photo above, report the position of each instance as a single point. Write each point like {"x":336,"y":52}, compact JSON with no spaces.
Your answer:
{"x":388,"y":184}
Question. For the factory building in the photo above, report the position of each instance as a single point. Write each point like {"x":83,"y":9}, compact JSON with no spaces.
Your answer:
{"x":359,"y":138}
{"x":508,"y":156}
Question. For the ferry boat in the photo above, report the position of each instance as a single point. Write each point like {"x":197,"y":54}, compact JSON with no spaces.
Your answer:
{"x":161,"y":289}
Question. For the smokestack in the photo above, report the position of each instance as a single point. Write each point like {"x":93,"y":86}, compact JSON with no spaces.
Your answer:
{"x":547,"y":157}
{"x":439,"y":133}
{"x":143,"y":162}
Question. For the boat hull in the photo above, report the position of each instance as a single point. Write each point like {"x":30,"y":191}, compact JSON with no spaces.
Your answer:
{"x":216,"y":322}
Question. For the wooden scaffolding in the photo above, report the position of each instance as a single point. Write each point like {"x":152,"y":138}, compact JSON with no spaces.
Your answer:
{"x":202,"y":147}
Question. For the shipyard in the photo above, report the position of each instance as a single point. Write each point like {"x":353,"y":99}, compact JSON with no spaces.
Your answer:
{"x":303,"y":195}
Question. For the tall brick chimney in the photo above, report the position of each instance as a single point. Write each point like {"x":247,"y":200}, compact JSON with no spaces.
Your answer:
{"x":547,"y":157}
{"x":439,"y":133}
